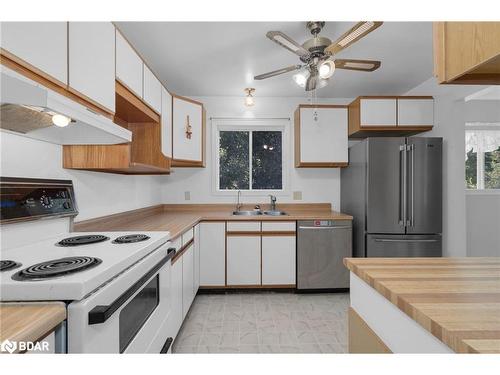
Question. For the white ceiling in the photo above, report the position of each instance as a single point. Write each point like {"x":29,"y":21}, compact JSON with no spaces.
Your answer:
{"x":221,"y":58}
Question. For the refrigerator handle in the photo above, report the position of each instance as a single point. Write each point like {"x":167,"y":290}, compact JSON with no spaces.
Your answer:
{"x":411,"y":149}
{"x":402,"y":185}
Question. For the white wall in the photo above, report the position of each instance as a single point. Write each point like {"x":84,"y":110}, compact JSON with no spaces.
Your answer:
{"x":483,"y":224}
{"x":317,"y":185}
{"x":450,"y":115}
{"x":97,"y":194}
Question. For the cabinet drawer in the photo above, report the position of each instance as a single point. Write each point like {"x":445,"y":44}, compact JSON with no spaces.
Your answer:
{"x":243,"y":226}
{"x":187,"y":236}
{"x":281,"y":226}
{"x":378,"y":112}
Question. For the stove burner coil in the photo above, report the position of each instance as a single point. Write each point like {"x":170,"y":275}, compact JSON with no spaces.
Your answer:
{"x":6,"y":265}
{"x":56,"y":268}
{"x":82,"y":240}
{"x":131,"y":238}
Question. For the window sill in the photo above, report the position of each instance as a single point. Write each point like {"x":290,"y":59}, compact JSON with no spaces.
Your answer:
{"x":244,"y":193}
{"x":482,"y":192}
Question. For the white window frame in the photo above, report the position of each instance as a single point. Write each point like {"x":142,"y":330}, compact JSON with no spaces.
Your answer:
{"x":282,"y":125}
{"x":478,"y":126}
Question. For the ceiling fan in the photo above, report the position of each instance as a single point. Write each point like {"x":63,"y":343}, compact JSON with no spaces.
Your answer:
{"x":318,"y":54}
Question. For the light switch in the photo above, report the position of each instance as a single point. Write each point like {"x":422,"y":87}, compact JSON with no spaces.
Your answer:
{"x":187,"y":195}
{"x":297,"y":195}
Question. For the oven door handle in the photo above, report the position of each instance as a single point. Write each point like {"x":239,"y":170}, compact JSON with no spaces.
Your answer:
{"x":166,"y":346}
{"x":100,"y":313}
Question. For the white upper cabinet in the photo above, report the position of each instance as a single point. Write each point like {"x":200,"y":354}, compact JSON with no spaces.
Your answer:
{"x":322,"y":136}
{"x":166,"y":123}
{"x":44,"y":45}
{"x":91,"y":61}
{"x":378,"y":112}
{"x":152,"y":90}
{"x":415,"y":112}
{"x":129,"y":66}
{"x":187,"y":130}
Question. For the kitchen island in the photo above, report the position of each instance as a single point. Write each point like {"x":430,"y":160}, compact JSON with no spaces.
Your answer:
{"x":424,"y":305}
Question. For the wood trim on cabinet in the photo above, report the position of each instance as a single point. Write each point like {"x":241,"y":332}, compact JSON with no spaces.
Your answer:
{"x":29,"y":71}
{"x":283,"y":233}
{"x":243,"y":233}
{"x":362,"y":339}
{"x":131,"y":108}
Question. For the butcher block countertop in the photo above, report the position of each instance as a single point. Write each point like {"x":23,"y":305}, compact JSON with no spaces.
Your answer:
{"x":177,"y":218}
{"x":29,"y":321}
{"x":455,"y":299}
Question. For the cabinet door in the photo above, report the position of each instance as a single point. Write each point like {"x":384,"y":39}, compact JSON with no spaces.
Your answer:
{"x":152,"y":90}
{"x":176,"y":316}
{"x":378,"y":112}
{"x":92,"y":61}
{"x":187,"y":280}
{"x":44,"y":45}
{"x":415,"y":112}
{"x":186,"y":147}
{"x":128,"y":65}
{"x":213,"y":254}
{"x":166,"y":123}
{"x":243,"y":260}
{"x":196,"y":259}
{"x":323,"y":138}
{"x":278,"y":260}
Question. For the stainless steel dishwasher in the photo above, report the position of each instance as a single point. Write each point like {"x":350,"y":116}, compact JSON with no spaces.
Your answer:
{"x":321,"y":247}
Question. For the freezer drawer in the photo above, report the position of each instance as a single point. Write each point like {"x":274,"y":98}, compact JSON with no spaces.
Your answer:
{"x":380,"y":245}
{"x":321,"y":249}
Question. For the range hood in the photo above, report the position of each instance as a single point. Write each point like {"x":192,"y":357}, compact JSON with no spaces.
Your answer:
{"x":28,"y":109}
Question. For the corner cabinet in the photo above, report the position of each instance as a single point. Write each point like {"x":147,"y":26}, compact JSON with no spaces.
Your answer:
{"x":372,"y":116}
{"x":321,"y":136}
{"x":467,"y":52}
{"x":188,"y":133}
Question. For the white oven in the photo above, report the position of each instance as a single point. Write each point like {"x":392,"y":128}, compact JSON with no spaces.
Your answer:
{"x":128,"y":314}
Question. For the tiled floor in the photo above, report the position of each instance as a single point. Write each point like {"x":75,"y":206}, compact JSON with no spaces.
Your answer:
{"x":265,"y":323}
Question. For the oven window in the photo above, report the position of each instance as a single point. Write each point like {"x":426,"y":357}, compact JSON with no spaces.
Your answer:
{"x":137,"y":311}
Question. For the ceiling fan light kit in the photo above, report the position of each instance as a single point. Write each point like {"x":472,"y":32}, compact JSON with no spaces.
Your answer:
{"x":249,"y":99}
{"x":318,"y":54}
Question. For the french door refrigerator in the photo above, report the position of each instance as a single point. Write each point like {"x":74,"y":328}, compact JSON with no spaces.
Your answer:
{"x":393,"y":189}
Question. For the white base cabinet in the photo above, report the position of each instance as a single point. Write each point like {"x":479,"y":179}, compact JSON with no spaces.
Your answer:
{"x":212,"y":253}
{"x":196,"y":256}
{"x":243,"y":260}
{"x":176,"y":314}
{"x":187,"y":280}
{"x":278,"y":260}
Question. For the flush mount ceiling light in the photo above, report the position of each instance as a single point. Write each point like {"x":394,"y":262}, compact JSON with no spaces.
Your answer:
{"x":249,"y":100}
{"x":317,"y":54}
{"x":60,"y":120}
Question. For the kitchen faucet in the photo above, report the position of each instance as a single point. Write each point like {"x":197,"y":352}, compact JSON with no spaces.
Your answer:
{"x":273,"y":202}
{"x":238,"y":204}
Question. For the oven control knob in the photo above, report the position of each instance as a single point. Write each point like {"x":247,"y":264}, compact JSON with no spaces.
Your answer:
{"x":66,"y":205}
{"x":46,"y":201}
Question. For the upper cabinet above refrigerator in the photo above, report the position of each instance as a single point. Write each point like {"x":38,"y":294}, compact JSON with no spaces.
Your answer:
{"x":390,"y":116}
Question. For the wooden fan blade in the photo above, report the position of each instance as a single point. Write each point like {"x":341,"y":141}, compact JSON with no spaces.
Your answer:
{"x":286,"y":42}
{"x":360,"y":65}
{"x":357,"y":32}
{"x":277,"y":72}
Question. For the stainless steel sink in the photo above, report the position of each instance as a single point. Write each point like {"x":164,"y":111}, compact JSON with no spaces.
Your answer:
{"x":275,"y":213}
{"x":247,"y":213}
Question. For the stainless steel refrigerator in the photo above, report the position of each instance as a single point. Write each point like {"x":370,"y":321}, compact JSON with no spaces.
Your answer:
{"x":393,"y":189}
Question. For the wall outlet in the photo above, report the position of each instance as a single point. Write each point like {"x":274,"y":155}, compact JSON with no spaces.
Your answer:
{"x":297,"y":195}
{"x":187,"y":195}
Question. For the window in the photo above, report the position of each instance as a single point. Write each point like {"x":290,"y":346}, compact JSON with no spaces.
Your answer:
{"x":482,"y":156}
{"x":249,"y":155}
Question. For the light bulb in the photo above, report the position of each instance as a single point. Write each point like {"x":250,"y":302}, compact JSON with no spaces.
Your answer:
{"x":326,"y":69}
{"x":301,"y":78}
{"x":60,"y":120}
{"x":249,"y":101}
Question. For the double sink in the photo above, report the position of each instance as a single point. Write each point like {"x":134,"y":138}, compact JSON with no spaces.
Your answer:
{"x":258,"y":212}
